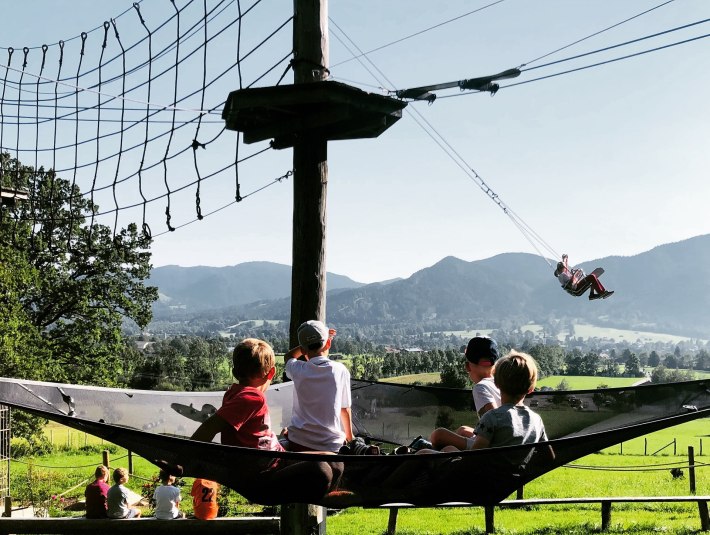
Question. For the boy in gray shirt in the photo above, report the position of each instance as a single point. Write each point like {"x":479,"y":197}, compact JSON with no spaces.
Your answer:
{"x":512,"y":423}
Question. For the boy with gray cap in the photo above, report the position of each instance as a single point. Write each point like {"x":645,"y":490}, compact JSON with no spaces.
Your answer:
{"x":321,"y":418}
{"x":481,"y":356}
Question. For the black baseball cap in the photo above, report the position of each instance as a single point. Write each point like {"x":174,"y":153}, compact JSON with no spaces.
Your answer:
{"x":482,"y":350}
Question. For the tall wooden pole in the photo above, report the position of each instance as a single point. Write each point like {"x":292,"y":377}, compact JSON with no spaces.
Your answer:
{"x":310,"y":186}
{"x":310,"y":175}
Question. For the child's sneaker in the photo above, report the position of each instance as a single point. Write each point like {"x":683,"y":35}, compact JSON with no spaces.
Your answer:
{"x":608,"y":294}
{"x":357,"y":446}
{"x":420,"y":443}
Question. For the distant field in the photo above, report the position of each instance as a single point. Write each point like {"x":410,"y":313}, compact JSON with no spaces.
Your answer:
{"x":586,"y":331}
{"x":60,"y":435}
{"x":469,"y":334}
{"x":590,"y":331}
{"x":585,"y":383}
{"x":257,"y":323}
{"x":574,"y":382}
{"x":425,"y":378}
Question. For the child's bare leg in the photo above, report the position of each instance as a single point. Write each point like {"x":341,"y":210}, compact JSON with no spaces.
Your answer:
{"x":465,"y":431}
{"x":443,"y":437}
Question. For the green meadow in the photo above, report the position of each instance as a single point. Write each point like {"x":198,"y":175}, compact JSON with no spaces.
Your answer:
{"x":586,"y":331}
{"x":607,"y":473}
{"x":580,"y":382}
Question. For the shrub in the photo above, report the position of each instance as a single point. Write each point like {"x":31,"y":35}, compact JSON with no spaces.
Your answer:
{"x":28,"y":447}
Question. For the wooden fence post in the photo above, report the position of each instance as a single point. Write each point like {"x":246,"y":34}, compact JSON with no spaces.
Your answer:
{"x":606,"y":514}
{"x":105,"y":458}
{"x":8,"y":507}
{"x":691,"y":468}
{"x":130,"y":462}
{"x":392,"y":521}
{"x":704,"y":518}
{"x":490,"y":518}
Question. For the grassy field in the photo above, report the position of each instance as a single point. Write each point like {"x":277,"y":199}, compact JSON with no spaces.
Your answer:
{"x":586,"y":383}
{"x":575,"y":382}
{"x":60,"y":435}
{"x":586,"y":331}
{"x":423,"y":378}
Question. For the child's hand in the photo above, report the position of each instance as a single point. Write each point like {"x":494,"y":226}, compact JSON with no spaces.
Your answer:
{"x":331,"y":333}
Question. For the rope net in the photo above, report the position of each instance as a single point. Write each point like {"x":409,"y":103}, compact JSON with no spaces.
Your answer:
{"x":156,"y":425}
{"x":129,"y":114}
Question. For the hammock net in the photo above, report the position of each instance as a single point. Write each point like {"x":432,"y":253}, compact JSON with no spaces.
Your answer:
{"x":157,"y":426}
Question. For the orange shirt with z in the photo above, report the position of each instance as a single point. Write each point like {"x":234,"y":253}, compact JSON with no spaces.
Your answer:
{"x":204,"y":499}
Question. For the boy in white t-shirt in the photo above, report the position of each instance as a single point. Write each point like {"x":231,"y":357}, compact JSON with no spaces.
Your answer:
{"x":167,"y":498}
{"x":322,"y":418}
{"x":481,"y":356}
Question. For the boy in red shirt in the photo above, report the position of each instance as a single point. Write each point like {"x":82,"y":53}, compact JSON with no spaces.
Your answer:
{"x":243,"y":419}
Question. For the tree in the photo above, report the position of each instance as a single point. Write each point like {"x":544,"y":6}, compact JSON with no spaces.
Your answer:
{"x":562,"y":385}
{"x":454,"y":376}
{"x":82,"y":279}
{"x":590,"y":363}
{"x":550,"y":359}
{"x":22,"y":353}
{"x":653,"y":359}
{"x":702,"y":360}
{"x":633,"y":366}
{"x":670,"y":361}
{"x":610,"y":369}
{"x":663,"y":375}
{"x":573,"y":362}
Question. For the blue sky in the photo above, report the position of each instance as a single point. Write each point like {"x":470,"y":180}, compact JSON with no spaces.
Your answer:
{"x":610,"y":160}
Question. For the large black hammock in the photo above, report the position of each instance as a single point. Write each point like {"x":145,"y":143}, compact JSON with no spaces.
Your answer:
{"x":155,"y":425}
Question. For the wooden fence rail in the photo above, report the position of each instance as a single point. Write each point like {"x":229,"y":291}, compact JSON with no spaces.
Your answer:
{"x":66,"y":525}
{"x":605,"y":503}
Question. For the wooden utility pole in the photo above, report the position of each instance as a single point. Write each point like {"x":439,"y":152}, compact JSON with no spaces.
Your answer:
{"x":310,"y":187}
{"x":310,"y":173}
{"x":305,"y":116}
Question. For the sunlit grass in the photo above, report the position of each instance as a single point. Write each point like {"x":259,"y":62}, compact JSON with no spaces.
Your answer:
{"x":563,"y":482}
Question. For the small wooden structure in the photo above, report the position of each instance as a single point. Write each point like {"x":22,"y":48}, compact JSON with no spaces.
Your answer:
{"x":323,"y":110}
{"x":10,"y":196}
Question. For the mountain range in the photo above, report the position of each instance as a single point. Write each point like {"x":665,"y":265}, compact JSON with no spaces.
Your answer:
{"x":666,"y":289}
